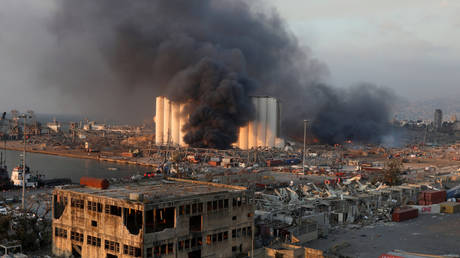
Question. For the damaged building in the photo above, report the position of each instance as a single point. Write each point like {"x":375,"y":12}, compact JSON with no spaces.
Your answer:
{"x":301,"y":213}
{"x":263,"y":131}
{"x":167,"y":218}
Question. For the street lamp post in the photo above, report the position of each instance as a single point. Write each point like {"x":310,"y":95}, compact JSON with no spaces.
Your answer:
{"x":304,"y":143}
{"x":25,"y":116}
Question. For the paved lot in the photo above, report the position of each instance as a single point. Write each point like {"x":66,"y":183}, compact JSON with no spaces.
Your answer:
{"x":431,"y":234}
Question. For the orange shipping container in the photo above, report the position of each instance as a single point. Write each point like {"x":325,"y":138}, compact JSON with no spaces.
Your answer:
{"x":99,"y":183}
{"x":127,"y":154}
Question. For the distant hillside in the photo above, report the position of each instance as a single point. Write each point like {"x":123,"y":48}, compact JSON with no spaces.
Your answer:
{"x":424,"y":109}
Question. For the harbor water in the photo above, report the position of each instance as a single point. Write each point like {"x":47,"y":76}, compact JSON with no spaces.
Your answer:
{"x":63,"y":167}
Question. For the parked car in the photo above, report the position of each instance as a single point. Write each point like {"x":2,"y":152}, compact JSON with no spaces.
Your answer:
{"x":3,"y":211}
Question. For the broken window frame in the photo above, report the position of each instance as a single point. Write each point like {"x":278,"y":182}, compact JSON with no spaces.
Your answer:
{"x":94,"y":241}
{"x":76,"y":236}
{"x":187,"y":244}
{"x":113,"y":210}
{"x":94,"y":206}
{"x":132,"y":251}
{"x":77,"y":203}
{"x":132,"y":220}
{"x":196,"y":223}
{"x":159,"y":219}
{"x":237,"y":201}
{"x":59,"y":205}
{"x":60,"y":232}
{"x":112,"y":246}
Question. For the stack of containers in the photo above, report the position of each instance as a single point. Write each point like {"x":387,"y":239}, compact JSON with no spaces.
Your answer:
{"x":274,"y":162}
{"x":431,"y":197}
{"x":401,"y":214}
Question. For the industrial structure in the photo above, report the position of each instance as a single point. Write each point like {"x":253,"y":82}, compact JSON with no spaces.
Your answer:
{"x":437,"y":122}
{"x":263,"y":131}
{"x":167,"y":218}
{"x":169,"y":121}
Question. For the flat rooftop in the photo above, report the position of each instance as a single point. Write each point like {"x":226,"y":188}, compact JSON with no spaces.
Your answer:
{"x":154,"y":190}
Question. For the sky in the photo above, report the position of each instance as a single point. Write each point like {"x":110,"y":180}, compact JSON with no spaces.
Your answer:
{"x":411,"y":46}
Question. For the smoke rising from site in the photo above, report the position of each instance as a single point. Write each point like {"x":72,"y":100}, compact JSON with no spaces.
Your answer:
{"x":359,"y":113}
{"x":210,"y":54}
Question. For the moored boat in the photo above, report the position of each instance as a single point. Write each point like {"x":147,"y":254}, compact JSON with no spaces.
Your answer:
{"x":17,"y":177}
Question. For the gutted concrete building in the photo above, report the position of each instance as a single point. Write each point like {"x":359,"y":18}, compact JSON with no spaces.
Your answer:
{"x":164,"y":218}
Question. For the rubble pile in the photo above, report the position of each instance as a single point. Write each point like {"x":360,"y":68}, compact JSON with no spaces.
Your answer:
{"x":282,"y":211}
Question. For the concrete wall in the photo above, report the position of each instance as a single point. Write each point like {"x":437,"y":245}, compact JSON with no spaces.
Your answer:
{"x":109,"y":227}
{"x":213,"y":222}
{"x":222,"y":214}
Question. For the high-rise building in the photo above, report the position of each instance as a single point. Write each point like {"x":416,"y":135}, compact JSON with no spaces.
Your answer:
{"x":437,"y":122}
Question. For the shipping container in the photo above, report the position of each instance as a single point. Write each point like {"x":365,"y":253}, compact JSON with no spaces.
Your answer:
{"x":431,"y":197}
{"x":274,"y":162}
{"x":427,"y":209}
{"x":99,"y":183}
{"x":450,"y":207}
{"x":213,"y":163}
{"x":390,"y":256}
{"x":216,"y":159}
{"x":127,"y":154}
{"x":401,"y":214}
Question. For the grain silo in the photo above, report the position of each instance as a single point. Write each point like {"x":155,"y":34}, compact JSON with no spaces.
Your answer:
{"x":169,"y":122}
{"x":263,"y":131}
{"x":159,"y":121}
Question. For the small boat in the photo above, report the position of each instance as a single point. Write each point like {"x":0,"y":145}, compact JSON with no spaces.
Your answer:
{"x":17,"y":178}
{"x":113,"y":169}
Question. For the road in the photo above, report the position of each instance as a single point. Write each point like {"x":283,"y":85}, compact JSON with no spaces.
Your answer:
{"x":431,"y":234}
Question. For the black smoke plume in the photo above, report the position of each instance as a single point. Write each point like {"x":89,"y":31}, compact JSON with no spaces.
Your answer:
{"x":217,"y":102}
{"x":360,"y":113}
{"x":211,"y":54}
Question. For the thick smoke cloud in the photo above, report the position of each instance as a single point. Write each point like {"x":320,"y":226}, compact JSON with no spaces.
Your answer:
{"x":359,"y":113}
{"x":210,"y":54}
{"x":217,"y":101}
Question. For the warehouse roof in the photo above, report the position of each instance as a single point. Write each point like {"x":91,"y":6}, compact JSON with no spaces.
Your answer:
{"x":154,"y":190}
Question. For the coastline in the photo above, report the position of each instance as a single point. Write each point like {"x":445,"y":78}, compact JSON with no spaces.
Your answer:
{"x":81,"y":155}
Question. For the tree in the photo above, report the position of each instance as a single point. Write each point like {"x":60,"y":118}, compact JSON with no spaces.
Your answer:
{"x":392,"y":174}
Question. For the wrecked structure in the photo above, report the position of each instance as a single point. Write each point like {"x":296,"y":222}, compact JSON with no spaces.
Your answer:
{"x":300,"y":213}
{"x":167,"y":218}
{"x":262,"y":131}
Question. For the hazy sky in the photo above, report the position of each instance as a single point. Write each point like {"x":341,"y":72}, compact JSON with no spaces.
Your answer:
{"x":412,"y":46}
